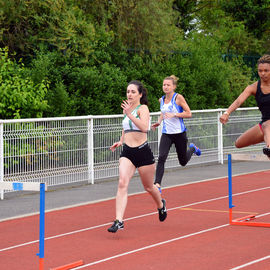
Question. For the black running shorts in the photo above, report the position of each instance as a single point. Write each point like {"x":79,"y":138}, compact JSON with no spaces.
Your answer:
{"x":139,"y":156}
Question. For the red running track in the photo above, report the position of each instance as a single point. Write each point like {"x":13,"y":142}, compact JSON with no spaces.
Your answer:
{"x":196,"y":234}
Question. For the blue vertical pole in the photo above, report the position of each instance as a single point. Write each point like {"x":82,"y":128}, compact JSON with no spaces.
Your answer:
{"x":230,"y":180}
{"x":41,"y":222}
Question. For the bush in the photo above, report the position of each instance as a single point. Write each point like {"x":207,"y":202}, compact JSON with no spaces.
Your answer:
{"x":20,"y":97}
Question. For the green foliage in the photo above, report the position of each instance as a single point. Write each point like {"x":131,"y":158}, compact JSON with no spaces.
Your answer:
{"x":238,"y":26}
{"x":57,"y":24}
{"x":211,"y":82}
{"x":252,"y":13}
{"x":97,"y":90}
{"x":185,"y":10}
{"x":20,"y":97}
{"x":230,"y":33}
{"x":205,"y":79}
{"x":89,"y":50}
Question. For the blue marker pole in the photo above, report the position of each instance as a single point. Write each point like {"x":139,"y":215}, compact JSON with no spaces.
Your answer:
{"x":41,"y":226}
{"x":230,"y":186}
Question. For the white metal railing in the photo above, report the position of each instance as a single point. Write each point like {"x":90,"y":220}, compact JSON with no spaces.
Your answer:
{"x":66,"y":150}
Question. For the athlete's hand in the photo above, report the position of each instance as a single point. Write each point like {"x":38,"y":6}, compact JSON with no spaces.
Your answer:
{"x":126,"y":106}
{"x":154,"y":126}
{"x":115,"y":145}
{"x":224,"y":118}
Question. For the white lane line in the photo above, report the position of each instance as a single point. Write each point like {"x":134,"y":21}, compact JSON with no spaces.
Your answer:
{"x":136,"y":193}
{"x":249,"y":263}
{"x":151,"y":246}
{"x":131,"y":218}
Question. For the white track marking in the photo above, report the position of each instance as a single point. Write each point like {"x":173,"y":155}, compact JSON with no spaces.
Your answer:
{"x":151,"y":246}
{"x":136,"y":193}
{"x":131,"y":218}
{"x":249,"y":263}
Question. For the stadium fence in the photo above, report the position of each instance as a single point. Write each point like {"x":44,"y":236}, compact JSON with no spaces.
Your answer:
{"x":64,"y":150}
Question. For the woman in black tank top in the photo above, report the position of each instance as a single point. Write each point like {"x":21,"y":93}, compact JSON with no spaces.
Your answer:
{"x":261,"y":91}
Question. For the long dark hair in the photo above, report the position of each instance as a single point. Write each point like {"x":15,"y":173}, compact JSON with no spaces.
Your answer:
{"x":142,"y":90}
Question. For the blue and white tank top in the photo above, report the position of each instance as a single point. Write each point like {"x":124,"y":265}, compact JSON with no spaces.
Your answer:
{"x":128,"y":125}
{"x":172,"y":125}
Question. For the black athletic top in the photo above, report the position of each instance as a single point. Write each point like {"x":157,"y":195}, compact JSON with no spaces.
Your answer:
{"x":263,"y":102}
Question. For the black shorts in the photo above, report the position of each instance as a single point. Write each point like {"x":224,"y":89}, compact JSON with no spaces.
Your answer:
{"x":139,"y":156}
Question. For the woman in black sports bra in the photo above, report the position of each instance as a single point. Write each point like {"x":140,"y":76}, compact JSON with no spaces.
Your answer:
{"x":261,"y":91}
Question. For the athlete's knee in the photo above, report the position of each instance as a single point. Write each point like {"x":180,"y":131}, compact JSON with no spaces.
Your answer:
{"x":266,"y":126}
{"x":183,"y":162}
{"x":149,"y":189}
{"x":237,"y":144}
{"x":122,"y":184}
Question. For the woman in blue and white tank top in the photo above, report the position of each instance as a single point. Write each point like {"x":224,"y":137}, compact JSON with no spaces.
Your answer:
{"x":261,"y":91}
{"x":174,"y":109}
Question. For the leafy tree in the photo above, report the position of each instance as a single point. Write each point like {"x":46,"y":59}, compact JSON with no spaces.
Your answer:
{"x":89,"y":50}
{"x":186,"y":11}
{"x":253,"y":13}
{"x":137,"y":24}
{"x":20,"y":97}
{"x":238,"y":26}
{"x":58,"y":24}
{"x":211,"y":82}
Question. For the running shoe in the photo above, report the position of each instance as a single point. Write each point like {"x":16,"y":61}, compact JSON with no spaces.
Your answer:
{"x":117,"y":225}
{"x":197,"y":150}
{"x":266,"y":151}
{"x":162,"y":212}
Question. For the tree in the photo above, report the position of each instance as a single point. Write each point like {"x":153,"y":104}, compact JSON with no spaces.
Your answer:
{"x":238,"y":25}
{"x":137,"y":24}
{"x":253,"y":13}
{"x":20,"y":97}
{"x":57,"y":24}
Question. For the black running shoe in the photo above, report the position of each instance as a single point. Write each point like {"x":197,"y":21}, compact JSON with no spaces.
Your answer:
{"x":163,"y":211}
{"x":266,"y":151}
{"x":117,"y":225}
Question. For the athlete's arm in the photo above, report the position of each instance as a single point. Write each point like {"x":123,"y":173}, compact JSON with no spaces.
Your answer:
{"x":180,"y":100}
{"x":119,"y":143}
{"x":160,"y":119}
{"x":249,"y":90}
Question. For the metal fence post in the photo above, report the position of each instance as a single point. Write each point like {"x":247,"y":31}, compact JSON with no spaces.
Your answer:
{"x":1,"y":158}
{"x":220,"y":138}
{"x":90,"y":138}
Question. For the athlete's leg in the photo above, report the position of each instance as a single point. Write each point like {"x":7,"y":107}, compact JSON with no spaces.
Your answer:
{"x":164,"y":148}
{"x":147,"y":176}
{"x":252,"y":136}
{"x":184,"y":153}
{"x":126,"y":171}
{"x":266,"y":132}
